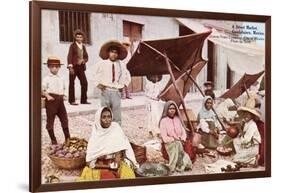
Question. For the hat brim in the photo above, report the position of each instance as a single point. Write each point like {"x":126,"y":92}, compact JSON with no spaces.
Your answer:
{"x":252,"y":111}
{"x":208,"y":83}
{"x":52,"y":64}
{"x":261,"y":92}
{"x":105,"y":47}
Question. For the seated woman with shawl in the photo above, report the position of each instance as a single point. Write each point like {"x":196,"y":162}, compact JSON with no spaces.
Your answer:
{"x":173,"y":133}
{"x":208,"y":124}
{"x":107,"y":147}
{"x":247,"y":144}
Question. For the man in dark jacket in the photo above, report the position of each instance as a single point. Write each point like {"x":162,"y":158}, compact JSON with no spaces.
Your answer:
{"x":77,"y":59}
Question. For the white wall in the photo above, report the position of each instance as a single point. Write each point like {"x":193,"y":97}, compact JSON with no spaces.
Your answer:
{"x":103,"y":28}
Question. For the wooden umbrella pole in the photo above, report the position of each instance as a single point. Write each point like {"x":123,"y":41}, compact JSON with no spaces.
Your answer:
{"x":178,"y":92}
{"x":245,"y":87}
{"x":202,"y":93}
{"x":167,"y":60}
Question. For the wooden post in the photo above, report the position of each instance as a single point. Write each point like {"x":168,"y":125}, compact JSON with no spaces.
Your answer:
{"x":246,"y":90}
{"x":178,"y":91}
{"x":202,"y":93}
{"x":167,"y":60}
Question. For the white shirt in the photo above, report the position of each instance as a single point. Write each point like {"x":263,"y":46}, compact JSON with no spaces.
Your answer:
{"x":80,"y":45}
{"x":103,"y":74}
{"x":53,"y":84}
{"x":251,"y":132}
{"x":152,"y":90}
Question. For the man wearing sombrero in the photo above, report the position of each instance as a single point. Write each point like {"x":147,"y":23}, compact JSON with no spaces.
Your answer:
{"x":247,"y":144}
{"x":111,"y":76}
{"x":53,"y":89}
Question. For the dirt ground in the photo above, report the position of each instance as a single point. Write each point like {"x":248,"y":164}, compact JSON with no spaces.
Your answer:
{"x":133,"y":123}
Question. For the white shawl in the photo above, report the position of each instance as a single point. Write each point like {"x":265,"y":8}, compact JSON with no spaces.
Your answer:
{"x":105,"y":141}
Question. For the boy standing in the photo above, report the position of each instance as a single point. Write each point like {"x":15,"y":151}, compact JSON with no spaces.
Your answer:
{"x":77,"y":59}
{"x":111,"y":76}
{"x":53,"y":89}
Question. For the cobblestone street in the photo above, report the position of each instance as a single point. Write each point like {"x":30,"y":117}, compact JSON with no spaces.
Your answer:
{"x":133,"y":123}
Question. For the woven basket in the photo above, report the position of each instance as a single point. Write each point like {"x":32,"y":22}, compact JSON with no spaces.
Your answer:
{"x":140,"y":153}
{"x":68,"y":163}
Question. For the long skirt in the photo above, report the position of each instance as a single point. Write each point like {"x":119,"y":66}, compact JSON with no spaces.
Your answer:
{"x":208,"y":140}
{"x":124,"y":172}
{"x":245,"y":154}
{"x":178,"y":159}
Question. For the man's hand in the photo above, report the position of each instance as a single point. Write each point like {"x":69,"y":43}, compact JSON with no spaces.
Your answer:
{"x":50,"y":98}
{"x":71,"y":71}
{"x":83,"y":61}
{"x":102,"y":87}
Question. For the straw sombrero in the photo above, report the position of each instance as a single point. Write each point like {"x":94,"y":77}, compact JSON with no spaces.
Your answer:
{"x":113,"y":43}
{"x":249,"y":107}
{"x":53,"y":61}
{"x":126,"y":41}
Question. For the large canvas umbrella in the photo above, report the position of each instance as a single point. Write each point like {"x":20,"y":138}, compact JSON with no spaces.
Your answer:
{"x":168,"y":56}
{"x":242,"y":85}
{"x":182,"y":52}
{"x":184,"y":83}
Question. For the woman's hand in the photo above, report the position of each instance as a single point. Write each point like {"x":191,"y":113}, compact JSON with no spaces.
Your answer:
{"x":113,"y":165}
{"x":118,"y":157}
{"x":215,"y":134}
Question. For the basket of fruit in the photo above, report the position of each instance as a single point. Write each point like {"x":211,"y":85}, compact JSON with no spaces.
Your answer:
{"x":69,"y":155}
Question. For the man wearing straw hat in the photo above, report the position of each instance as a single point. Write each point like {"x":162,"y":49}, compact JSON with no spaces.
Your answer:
{"x":247,"y":144}
{"x":111,"y":76}
{"x":53,"y":88}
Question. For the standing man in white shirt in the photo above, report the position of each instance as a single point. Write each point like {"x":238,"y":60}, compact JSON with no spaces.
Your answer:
{"x":111,"y":76}
{"x":154,"y":105}
{"x":53,"y":88}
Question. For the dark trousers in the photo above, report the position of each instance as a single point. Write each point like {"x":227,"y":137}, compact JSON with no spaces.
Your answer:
{"x":56,"y":108}
{"x":79,"y":71}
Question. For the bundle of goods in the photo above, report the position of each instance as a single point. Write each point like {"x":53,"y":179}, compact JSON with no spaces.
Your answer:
{"x":225,"y":151}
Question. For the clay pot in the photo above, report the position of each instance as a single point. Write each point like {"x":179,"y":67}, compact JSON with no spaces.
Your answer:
{"x":232,"y":132}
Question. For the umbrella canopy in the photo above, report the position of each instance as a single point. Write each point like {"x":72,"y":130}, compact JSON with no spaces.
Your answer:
{"x":183,"y":82}
{"x":183,"y":52}
{"x":244,"y":83}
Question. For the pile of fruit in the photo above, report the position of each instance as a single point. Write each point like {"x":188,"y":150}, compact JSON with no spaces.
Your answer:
{"x":72,"y":148}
